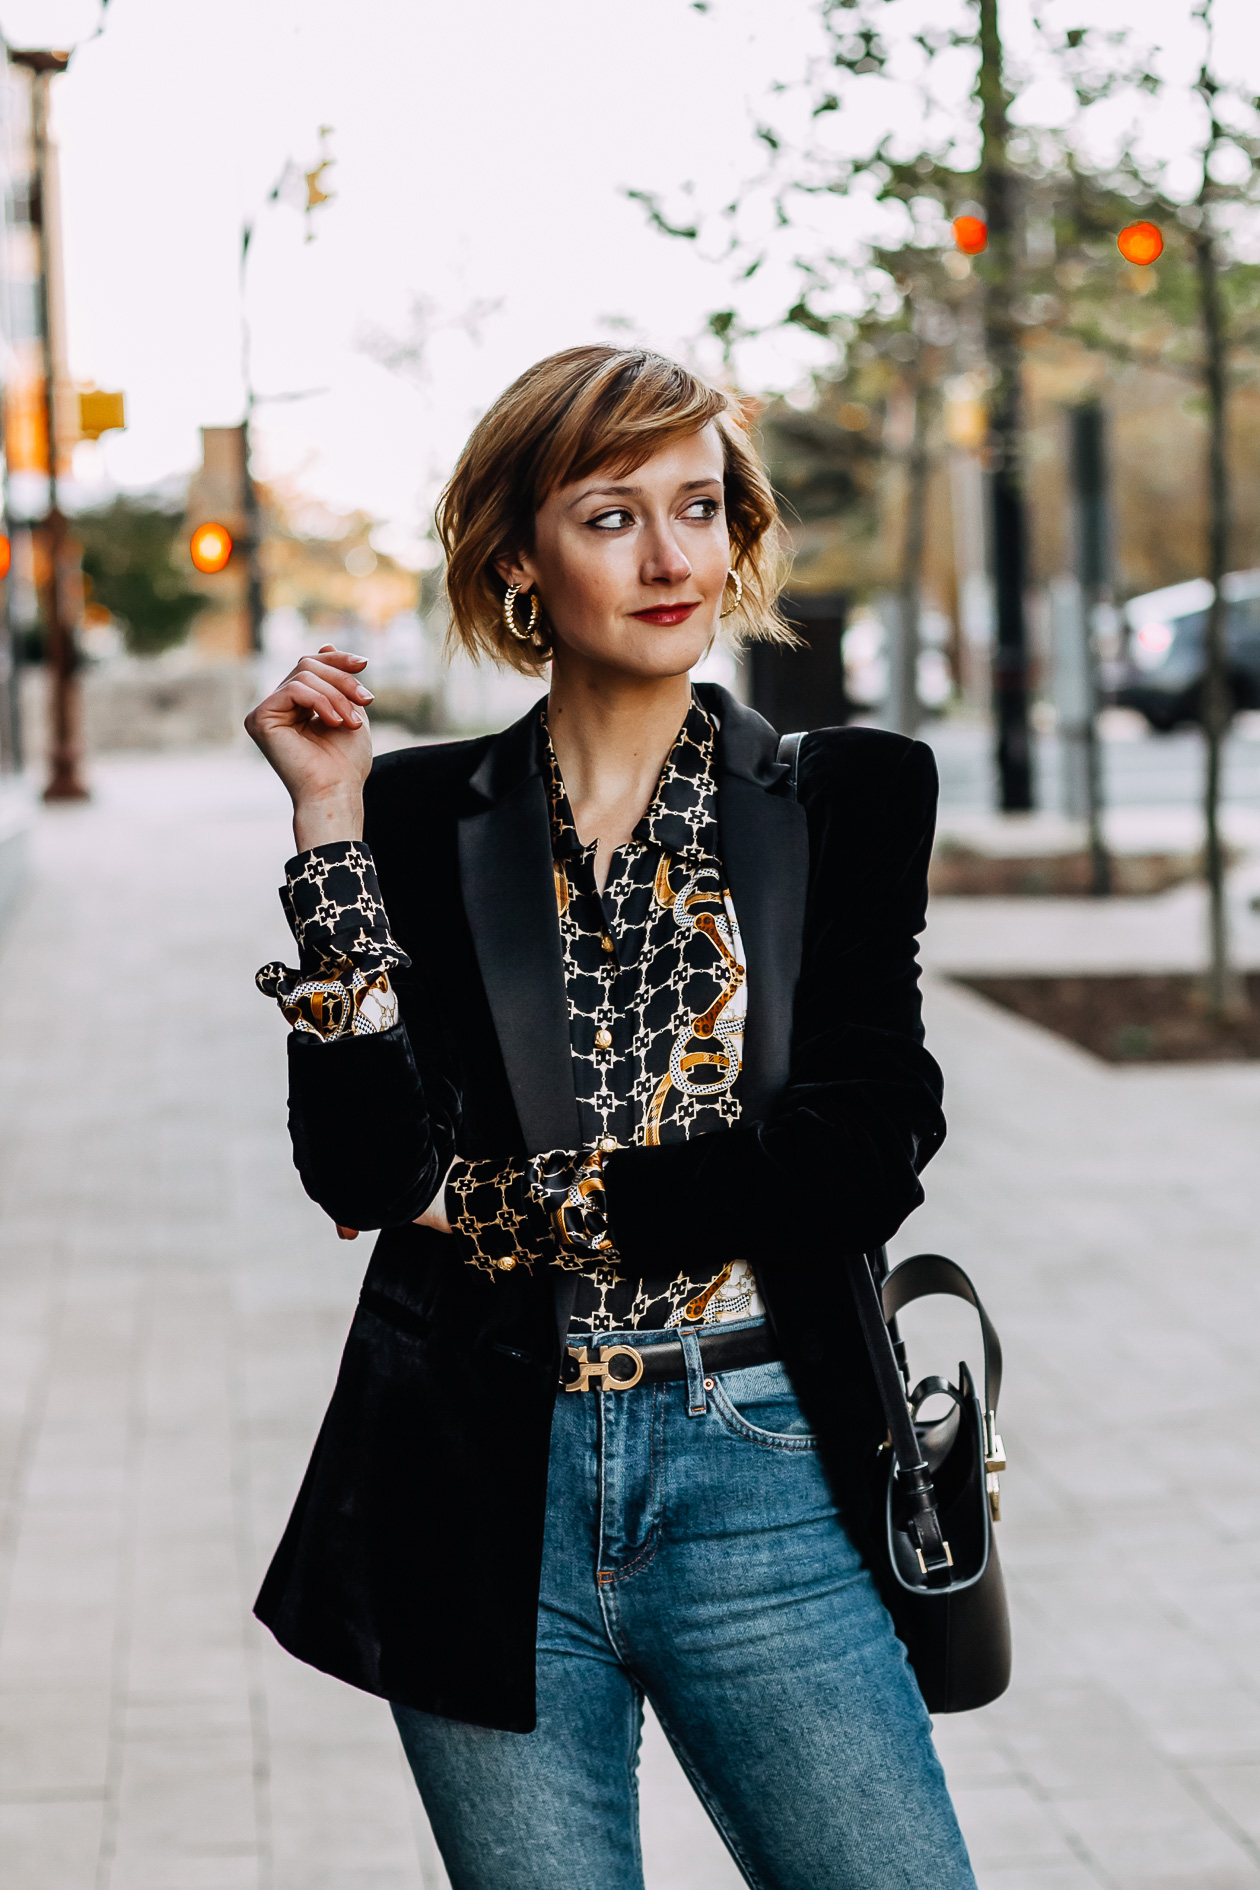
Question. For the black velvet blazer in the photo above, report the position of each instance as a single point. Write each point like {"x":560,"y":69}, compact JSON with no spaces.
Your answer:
{"x":410,"y":1565}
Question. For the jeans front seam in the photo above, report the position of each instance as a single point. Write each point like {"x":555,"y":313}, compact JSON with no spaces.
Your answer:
{"x":606,"y":1577}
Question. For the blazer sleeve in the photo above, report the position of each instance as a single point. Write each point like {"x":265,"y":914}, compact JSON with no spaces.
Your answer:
{"x":836,"y":1161}
{"x":373,"y":1115}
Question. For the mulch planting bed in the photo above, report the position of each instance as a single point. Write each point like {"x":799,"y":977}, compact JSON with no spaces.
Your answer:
{"x":962,"y":871}
{"x":1135,"y":1018}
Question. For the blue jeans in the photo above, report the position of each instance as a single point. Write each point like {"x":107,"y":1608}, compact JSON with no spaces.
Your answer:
{"x":693,"y":1554}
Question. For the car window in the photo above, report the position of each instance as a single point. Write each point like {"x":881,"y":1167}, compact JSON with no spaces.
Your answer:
{"x":1244,"y":621}
{"x":1189,"y":631}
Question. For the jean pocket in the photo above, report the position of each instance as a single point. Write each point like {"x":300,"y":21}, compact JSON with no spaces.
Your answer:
{"x":759,"y":1404}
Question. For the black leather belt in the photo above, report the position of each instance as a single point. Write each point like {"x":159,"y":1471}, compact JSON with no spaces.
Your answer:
{"x":621,"y":1367}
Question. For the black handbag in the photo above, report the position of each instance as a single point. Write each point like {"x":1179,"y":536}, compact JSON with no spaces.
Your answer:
{"x":939,"y":1569}
{"x":938,"y":1566}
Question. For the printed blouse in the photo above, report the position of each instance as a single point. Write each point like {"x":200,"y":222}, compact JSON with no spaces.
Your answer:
{"x":657,"y":995}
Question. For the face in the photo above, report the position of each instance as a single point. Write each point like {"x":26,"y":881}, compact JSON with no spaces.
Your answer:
{"x":631,"y":568}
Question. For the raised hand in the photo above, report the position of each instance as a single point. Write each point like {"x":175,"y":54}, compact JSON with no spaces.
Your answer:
{"x":313,"y":731}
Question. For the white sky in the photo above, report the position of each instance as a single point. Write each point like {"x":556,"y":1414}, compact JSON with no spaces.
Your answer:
{"x":482,"y":147}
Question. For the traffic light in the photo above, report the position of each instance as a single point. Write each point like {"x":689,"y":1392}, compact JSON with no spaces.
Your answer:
{"x":210,"y":548}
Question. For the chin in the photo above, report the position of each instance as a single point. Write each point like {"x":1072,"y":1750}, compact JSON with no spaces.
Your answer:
{"x":666,"y":652}
{"x":647,"y":652}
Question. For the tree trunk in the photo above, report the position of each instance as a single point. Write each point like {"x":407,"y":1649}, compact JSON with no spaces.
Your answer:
{"x":1089,"y":484}
{"x":1225,"y":991}
{"x":1002,"y":342}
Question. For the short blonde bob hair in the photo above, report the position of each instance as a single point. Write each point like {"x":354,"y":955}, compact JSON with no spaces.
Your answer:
{"x":573,"y":414}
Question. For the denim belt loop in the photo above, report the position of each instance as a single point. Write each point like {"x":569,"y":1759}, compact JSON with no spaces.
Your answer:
{"x":697,"y":1401}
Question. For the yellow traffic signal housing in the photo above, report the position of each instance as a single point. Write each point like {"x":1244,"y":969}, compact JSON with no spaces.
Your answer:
{"x":100,"y":412}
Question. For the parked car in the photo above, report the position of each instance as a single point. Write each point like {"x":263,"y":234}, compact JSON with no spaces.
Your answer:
{"x":1161,"y":672}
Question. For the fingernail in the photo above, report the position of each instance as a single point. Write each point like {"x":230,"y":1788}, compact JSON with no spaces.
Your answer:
{"x":364,"y":695}
{"x":354,"y":718}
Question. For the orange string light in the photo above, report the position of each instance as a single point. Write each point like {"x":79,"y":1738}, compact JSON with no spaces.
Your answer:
{"x":1140,"y":243}
{"x":971,"y":235}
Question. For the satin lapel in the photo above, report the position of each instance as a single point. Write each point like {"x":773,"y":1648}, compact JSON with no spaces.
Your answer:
{"x":765,"y":849}
{"x":509,"y":895}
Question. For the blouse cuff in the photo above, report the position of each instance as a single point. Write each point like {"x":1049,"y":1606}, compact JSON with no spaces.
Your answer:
{"x":570,"y":1189}
{"x":333,"y":903}
{"x":511,"y":1214}
{"x":499,"y":1227}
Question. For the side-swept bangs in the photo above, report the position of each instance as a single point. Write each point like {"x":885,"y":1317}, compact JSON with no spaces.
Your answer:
{"x":582,"y":411}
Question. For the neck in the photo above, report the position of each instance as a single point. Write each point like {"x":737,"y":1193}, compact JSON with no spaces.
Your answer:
{"x":612,"y":734}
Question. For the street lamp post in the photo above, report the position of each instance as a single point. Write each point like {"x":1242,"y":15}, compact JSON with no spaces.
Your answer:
{"x":65,"y":776}
{"x":255,"y":598}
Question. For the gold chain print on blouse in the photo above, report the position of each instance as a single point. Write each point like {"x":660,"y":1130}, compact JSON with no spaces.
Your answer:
{"x":724,"y":1018}
{"x":657,"y":992}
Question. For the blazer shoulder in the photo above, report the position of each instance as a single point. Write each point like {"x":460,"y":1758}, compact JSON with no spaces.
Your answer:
{"x":432,"y":769}
{"x":865,"y":761}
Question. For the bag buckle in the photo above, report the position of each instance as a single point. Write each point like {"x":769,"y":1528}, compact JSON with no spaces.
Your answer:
{"x":994,"y":1460}
{"x":936,"y":1567}
{"x":598,"y":1367}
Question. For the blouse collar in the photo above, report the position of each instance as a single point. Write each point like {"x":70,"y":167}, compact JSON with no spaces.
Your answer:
{"x":681,"y":817}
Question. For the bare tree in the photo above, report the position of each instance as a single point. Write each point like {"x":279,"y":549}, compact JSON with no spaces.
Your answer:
{"x":1200,"y":318}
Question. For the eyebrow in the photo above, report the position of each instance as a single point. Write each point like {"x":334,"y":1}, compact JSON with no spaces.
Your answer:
{"x":630,"y":492}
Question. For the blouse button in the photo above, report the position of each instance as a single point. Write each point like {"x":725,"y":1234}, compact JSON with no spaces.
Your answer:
{"x":603,"y":1039}
{"x":606,"y":943}
{"x":607,"y":1143}
{"x":505,"y":1266}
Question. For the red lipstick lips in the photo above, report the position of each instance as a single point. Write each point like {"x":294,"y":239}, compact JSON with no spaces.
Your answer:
{"x":665,"y":613}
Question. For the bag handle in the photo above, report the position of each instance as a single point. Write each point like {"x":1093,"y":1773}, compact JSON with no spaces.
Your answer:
{"x":931,"y":1273}
{"x":927,"y":1274}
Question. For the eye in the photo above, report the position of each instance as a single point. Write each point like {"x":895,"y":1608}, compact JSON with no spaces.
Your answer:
{"x":614,"y":521}
{"x":702,"y":509}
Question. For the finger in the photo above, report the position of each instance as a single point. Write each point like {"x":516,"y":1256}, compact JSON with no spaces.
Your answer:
{"x":346,"y":1233}
{"x":355,"y":691}
{"x":344,"y":659}
{"x":336,"y":711}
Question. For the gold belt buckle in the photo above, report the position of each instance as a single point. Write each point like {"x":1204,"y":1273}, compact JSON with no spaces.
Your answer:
{"x":597,"y":1367}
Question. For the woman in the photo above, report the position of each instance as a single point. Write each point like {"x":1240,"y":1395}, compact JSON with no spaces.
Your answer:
{"x":617,"y":1041}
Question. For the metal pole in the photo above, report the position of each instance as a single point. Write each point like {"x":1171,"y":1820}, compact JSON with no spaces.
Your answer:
{"x":255,"y":601}
{"x":10,"y":676}
{"x":903,"y":677}
{"x":1010,"y":652}
{"x":65,"y":778}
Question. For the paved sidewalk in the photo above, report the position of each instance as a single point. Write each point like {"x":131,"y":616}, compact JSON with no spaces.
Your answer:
{"x":171,"y":1310}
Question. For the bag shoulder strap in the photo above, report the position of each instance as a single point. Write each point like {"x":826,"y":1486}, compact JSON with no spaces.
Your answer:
{"x":790,"y":756}
{"x":909,"y":1464}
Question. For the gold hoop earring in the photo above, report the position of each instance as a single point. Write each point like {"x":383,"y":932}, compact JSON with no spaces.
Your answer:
{"x":739,"y":590}
{"x":509,"y":614}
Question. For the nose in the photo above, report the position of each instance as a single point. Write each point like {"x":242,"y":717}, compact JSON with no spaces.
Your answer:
{"x":664,"y":561}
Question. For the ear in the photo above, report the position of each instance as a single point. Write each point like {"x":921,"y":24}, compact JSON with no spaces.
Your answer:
{"x":516,"y":570}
